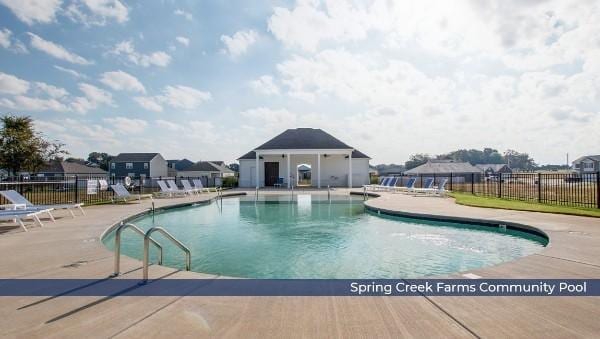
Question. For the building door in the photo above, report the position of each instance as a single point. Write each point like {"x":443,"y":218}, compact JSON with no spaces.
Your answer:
{"x":271,"y":173}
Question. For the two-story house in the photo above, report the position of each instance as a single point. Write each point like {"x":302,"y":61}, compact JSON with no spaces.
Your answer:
{"x":587,"y":164}
{"x":138,"y":165}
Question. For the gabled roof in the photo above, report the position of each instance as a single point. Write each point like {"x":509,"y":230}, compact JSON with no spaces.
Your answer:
{"x":66,"y":167}
{"x":493,"y":167}
{"x":180,"y":165}
{"x":443,"y":166}
{"x":134,"y":157}
{"x":593,"y":157}
{"x":222,"y":167}
{"x":303,"y":138}
{"x":202,"y":166}
{"x":355,"y":155}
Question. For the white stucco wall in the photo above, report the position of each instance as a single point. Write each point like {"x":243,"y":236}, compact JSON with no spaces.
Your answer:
{"x":334,"y":170}
{"x":158,"y":167}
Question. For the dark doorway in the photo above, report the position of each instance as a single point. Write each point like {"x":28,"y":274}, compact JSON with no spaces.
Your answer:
{"x":271,"y":173}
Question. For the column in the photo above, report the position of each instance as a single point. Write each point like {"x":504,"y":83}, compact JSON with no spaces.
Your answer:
{"x":257,"y":170}
{"x":318,"y":170}
{"x":288,"y":179}
{"x":350,"y":170}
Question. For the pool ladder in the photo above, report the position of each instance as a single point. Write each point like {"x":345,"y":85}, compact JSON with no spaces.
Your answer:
{"x":147,"y":241}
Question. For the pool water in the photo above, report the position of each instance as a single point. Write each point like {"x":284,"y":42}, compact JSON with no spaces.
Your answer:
{"x":311,"y":237}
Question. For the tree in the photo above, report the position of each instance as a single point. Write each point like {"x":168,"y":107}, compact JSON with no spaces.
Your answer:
{"x":234,"y":167}
{"x":100,"y":158}
{"x":24,"y":149}
{"x":518,"y":160}
{"x":416,"y":160}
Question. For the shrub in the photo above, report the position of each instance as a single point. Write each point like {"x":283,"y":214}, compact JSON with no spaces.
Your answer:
{"x":230,"y":182}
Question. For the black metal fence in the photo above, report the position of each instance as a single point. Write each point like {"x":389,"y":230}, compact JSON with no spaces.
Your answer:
{"x":567,"y":189}
{"x":85,"y":189}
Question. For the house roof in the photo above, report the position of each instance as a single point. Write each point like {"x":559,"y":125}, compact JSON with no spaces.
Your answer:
{"x":221,"y":166}
{"x":493,"y":167}
{"x":303,"y":138}
{"x":70,"y":168}
{"x":202,"y":166}
{"x":180,"y":165}
{"x":443,"y":166}
{"x":134,"y":157}
{"x":593,"y":157}
{"x":355,"y":155}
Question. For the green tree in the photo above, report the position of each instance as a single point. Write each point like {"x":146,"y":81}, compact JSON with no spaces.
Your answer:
{"x":518,"y":160}
{"x":416,"y":160}
{"x":24,"y":149}
{"x":100,"y":158}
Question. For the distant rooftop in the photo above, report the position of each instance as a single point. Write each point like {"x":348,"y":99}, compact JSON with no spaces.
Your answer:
{"x":134,"y":157}
{"x":443,"y":167}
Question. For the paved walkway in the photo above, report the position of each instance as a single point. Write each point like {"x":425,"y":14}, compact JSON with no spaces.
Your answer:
{"x":72,"y":248}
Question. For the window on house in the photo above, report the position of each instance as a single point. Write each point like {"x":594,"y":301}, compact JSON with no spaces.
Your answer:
{"x":129,"y":165}
{"x":588,"y":165}
{"x":112,"y":165}
{"x":145,"y":165}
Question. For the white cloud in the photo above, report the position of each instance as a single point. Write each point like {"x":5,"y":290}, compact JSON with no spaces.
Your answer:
{"x":56,"y":50}
{"x":33,"y":11}
{"x":51,"y":91}
{"x":9,"y":42}
{"x":127,"y":50}
{"x":25,"y":103}
{"x":265,"y":85}
{"x":271,"y":119}
{"x":182,"y":97}
{"x":122,"y":81}
{"x":169,"y":125}
{"x":72,"y":72}
{"x":239,"y":43}
{"x":92,"y":99}
{"x":186,"y":15}
{"x":183,"y":40}
{"x":97,"y":12}
{"x":149,"y":103}
{"x":10,"y":84}
{"x":127,"y":125}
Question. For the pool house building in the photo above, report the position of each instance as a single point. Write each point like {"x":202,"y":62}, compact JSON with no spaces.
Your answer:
{"x":279,"y":161}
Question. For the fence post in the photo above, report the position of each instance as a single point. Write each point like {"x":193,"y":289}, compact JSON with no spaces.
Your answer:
{"x":539,"y":187}
{"x":76,"y":189}
{"x":598,"y":189}
{"x":473,"y":183}
{"x":500,"y":185}
{"x":451,"y":181}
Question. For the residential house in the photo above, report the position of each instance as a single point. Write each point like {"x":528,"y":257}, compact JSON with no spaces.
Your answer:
{"x":460,"y":171}
{"x":138,"y":165}
{"x":205,"y":169}
{"x":587,"y":164}
{"x":68,"y":168}
{"x":332,"y":161}
{"x":493,"y":169}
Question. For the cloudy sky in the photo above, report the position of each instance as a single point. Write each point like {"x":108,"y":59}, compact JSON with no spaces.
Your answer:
{"x":213,"y":79}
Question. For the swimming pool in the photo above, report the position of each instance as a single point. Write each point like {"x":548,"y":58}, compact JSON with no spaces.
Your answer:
{"x":311,"y":237}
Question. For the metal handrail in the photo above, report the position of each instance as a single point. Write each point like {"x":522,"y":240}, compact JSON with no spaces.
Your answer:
{"x":147,"y":239}
{"x":328,"y":193}
{"x":137,"y":230}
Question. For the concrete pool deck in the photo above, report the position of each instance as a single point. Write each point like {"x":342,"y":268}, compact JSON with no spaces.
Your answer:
{"x":71,"y":248}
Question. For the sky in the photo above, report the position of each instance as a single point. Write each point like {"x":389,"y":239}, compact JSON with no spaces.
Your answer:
{"x":211,"y":80}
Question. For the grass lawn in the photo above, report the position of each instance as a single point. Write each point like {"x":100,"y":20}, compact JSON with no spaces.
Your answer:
{"x":473,"y":200}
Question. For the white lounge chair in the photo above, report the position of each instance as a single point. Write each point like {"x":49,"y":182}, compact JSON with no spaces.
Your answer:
{"x":17,"y":199}
{"x":173,"y":186}
{"x":199,"y":186}
{"x":17,"y":215}
{"x":438,"y":190}
{"x":188,"y":187}
{"x":122,"y":193}
{"x":382,"y":182}
{"x":167,"y":191}
{"x":409,"y":187}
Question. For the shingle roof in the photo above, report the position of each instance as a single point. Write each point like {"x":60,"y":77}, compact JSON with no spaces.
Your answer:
{"x":70,"y":168}
{"x":446,"y":166}
{"x":304,"y":138}
{"x":355,"y":155}
{"x":134,"y":157}
{"x":202,"y":166}
{"x":493,"y":167}
{"x":593,"y":157}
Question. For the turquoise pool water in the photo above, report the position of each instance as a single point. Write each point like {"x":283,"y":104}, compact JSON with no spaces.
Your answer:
{"x":312,"y":238}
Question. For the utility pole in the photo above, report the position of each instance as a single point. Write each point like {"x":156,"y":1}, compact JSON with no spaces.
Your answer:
{"x":568,"y":166}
